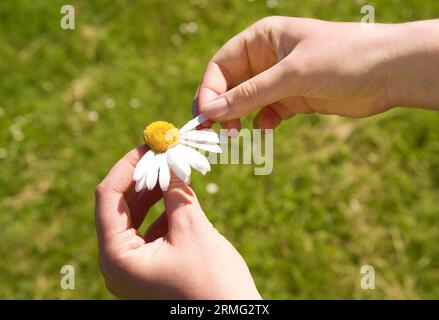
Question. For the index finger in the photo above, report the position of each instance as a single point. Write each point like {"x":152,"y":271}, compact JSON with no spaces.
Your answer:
{"x":112,"y":211}
{"x":229,"y":67}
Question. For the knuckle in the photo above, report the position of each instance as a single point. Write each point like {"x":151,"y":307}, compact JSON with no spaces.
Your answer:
{"x":184,"y":221}
{"x":189,"y":220}
{"x":267,"y":21}
{"x":274,"y":22}
{"x":306,"y":62}
{"x":100,"y":190}
{"x":247,"y":90}
{"x":299,"y":72}
{"x":300,"y":66}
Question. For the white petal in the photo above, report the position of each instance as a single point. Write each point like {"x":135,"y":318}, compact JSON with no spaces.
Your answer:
{"x":193,"y":123}
{"x":142,"y":165}
{"x":140,"y":184}
{"x":164,"y":174}
{"x":201,"y":135}
{"x":153,"y":171}
{"x":204,"y":146}
{"x":196,"y":160}
{"x":179,"y":164}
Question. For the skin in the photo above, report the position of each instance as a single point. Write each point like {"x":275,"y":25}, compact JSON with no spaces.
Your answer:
{"x":181,"y":255}
{"x":284,"y":66}
{"x":280,"y":67}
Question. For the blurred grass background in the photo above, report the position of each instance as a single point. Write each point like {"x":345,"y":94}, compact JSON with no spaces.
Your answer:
{"x":343,"y":193}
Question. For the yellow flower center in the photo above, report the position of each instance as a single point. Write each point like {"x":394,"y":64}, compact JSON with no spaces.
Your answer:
{"x":160,"y":136}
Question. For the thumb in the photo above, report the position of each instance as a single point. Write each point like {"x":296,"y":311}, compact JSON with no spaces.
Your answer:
{"x":261,"y":90}
{"x":182,"y":207}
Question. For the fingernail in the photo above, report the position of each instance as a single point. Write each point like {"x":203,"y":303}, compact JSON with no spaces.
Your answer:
{"x":216,"y":108}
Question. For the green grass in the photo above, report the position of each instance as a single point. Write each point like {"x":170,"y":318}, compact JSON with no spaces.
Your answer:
{"x":343,"y":193}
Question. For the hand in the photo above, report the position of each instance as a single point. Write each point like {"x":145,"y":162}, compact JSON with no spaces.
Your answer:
{"x":290,"y":65}
{"x":181,"y":255}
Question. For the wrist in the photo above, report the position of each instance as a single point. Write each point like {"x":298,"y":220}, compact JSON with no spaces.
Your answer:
{"x":413,"y":60}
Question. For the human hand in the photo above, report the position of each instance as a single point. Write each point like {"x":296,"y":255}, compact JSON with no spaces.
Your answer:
{"x":181,"y":255}
{"x":292,"y":65}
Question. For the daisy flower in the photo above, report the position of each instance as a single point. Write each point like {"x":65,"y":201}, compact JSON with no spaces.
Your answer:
{"x":174,"y":149}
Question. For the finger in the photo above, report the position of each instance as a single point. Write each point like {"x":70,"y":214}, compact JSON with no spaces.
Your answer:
{"x":229,"y":67}
{"x":112,"y":211}
{"x":266,"y":118}
{"x":182,"y":208}
{"x":140,"y":207}
{"x":271,"y":116}
{"x":217,"y":79}
{"x":265,"y":88}
{"x":246,"y":54}
{"x":233,"y":127}
{"x":232,"y":124}
{"x":213,"y":84}
{"x":122,"y":173}
{"x":195,"y":112}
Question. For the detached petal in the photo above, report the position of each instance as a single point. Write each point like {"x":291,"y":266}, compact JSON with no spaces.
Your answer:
{"x":193,"y":123}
